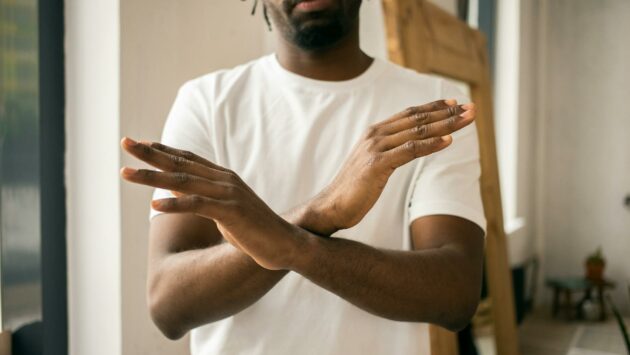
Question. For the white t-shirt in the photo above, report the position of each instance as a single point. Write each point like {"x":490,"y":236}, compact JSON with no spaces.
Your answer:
{"x":287,"y":136}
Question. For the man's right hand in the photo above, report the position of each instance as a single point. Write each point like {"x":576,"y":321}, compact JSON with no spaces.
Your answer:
{"x":416,"y":132}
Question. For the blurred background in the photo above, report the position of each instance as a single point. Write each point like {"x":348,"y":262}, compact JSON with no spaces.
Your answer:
{"x":76,"y":76}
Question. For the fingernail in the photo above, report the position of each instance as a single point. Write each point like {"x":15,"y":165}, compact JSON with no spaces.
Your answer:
{"x":127,"y":171}
{"x":466,"y":114}
{"x":451,"y":102}
{"x":130,"y":142}
{"x":446,"y":138}
{"x":468,"y":106}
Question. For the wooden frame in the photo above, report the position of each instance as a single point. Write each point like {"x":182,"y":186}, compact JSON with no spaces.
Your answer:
{"x":5,"y":343}
{"x":423,"y":37}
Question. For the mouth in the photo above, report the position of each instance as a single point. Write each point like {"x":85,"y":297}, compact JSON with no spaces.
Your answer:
{"x":312,"y":5}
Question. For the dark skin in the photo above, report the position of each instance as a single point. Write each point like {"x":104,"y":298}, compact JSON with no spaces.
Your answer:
{"x":223,"y":245}
{"x":342,"y":60}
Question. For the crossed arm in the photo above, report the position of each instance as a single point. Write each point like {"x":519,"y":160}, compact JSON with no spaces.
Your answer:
{"x":221,"y":248}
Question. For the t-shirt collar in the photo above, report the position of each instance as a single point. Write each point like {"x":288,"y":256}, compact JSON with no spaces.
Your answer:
{"x":284,"y":76}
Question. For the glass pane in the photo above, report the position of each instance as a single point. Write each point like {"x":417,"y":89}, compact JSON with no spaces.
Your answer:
{"x":19,"y":164}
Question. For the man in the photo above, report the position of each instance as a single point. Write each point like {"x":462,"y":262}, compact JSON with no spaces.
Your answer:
{"x":382,"y":227}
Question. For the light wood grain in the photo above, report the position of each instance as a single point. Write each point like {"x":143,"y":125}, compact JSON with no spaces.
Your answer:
{"x":5,"y":343}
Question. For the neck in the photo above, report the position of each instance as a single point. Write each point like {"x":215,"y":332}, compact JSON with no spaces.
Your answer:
{"x":342,"y":61}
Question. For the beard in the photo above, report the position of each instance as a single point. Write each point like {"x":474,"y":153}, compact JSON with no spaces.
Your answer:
{"x":322,"y":29}
{"x":318,"y":36}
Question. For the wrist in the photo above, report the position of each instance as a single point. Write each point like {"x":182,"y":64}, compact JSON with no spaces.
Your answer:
{"x":316,"y":217}
{"x":303,"y":250}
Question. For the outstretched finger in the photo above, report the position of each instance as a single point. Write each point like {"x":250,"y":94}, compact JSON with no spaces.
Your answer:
{"x":438,"y":128}
{"x":428,"y":107}
{"x":200,"y":205}
{"x":411,"y":150}
{"x":182,"y":183}
{"x":422,"y":118}
{"x":172,"y":162}
{"x":385,"y":126}
{"x":185,"y":154}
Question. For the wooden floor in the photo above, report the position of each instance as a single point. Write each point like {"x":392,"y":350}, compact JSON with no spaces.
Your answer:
{"x":541,"y":335}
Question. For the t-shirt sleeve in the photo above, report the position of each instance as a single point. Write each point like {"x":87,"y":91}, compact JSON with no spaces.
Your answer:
{"x":186,"y":128}
{"x":448,"y":181}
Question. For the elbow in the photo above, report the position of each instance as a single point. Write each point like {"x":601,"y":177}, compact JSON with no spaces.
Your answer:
{"x":463,"y":299}
{"x":162,"y":315}
{"x":460,"y":314}
{"x":171,"y":333}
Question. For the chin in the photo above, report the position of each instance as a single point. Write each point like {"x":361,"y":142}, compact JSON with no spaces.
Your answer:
{"x":318,"y":37}
{"x":318,"y":32}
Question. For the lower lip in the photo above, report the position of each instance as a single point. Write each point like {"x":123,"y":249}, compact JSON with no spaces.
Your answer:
{"x":313,"y":5}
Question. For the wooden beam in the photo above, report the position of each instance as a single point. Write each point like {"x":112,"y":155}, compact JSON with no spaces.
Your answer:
{"x":443,"y":342}
{"x":498,"y":271}
{"x":426,"y":38}
{"x":5,"y":342}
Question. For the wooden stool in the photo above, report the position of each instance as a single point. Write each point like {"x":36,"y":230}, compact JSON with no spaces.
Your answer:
{"x":565,"y":287}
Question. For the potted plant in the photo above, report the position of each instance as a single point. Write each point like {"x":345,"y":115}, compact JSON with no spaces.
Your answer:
{"x":595,"y":264}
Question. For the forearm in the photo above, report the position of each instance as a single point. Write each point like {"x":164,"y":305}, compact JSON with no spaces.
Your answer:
{"x":197,"y":287}
{"x":434,"y":285}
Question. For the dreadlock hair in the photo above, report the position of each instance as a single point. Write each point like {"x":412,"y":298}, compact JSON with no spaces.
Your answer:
{"x":265,"y":15}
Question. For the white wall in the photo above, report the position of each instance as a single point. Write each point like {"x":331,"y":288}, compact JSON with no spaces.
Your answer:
{"x":572,"y":73}
{"x":586,"y":166}
{"x":507,"y":117}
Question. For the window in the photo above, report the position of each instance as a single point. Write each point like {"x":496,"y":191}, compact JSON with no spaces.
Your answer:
{"x":506,"y":101}
{"x":504,"y":63}
{"x":33,"y":306}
